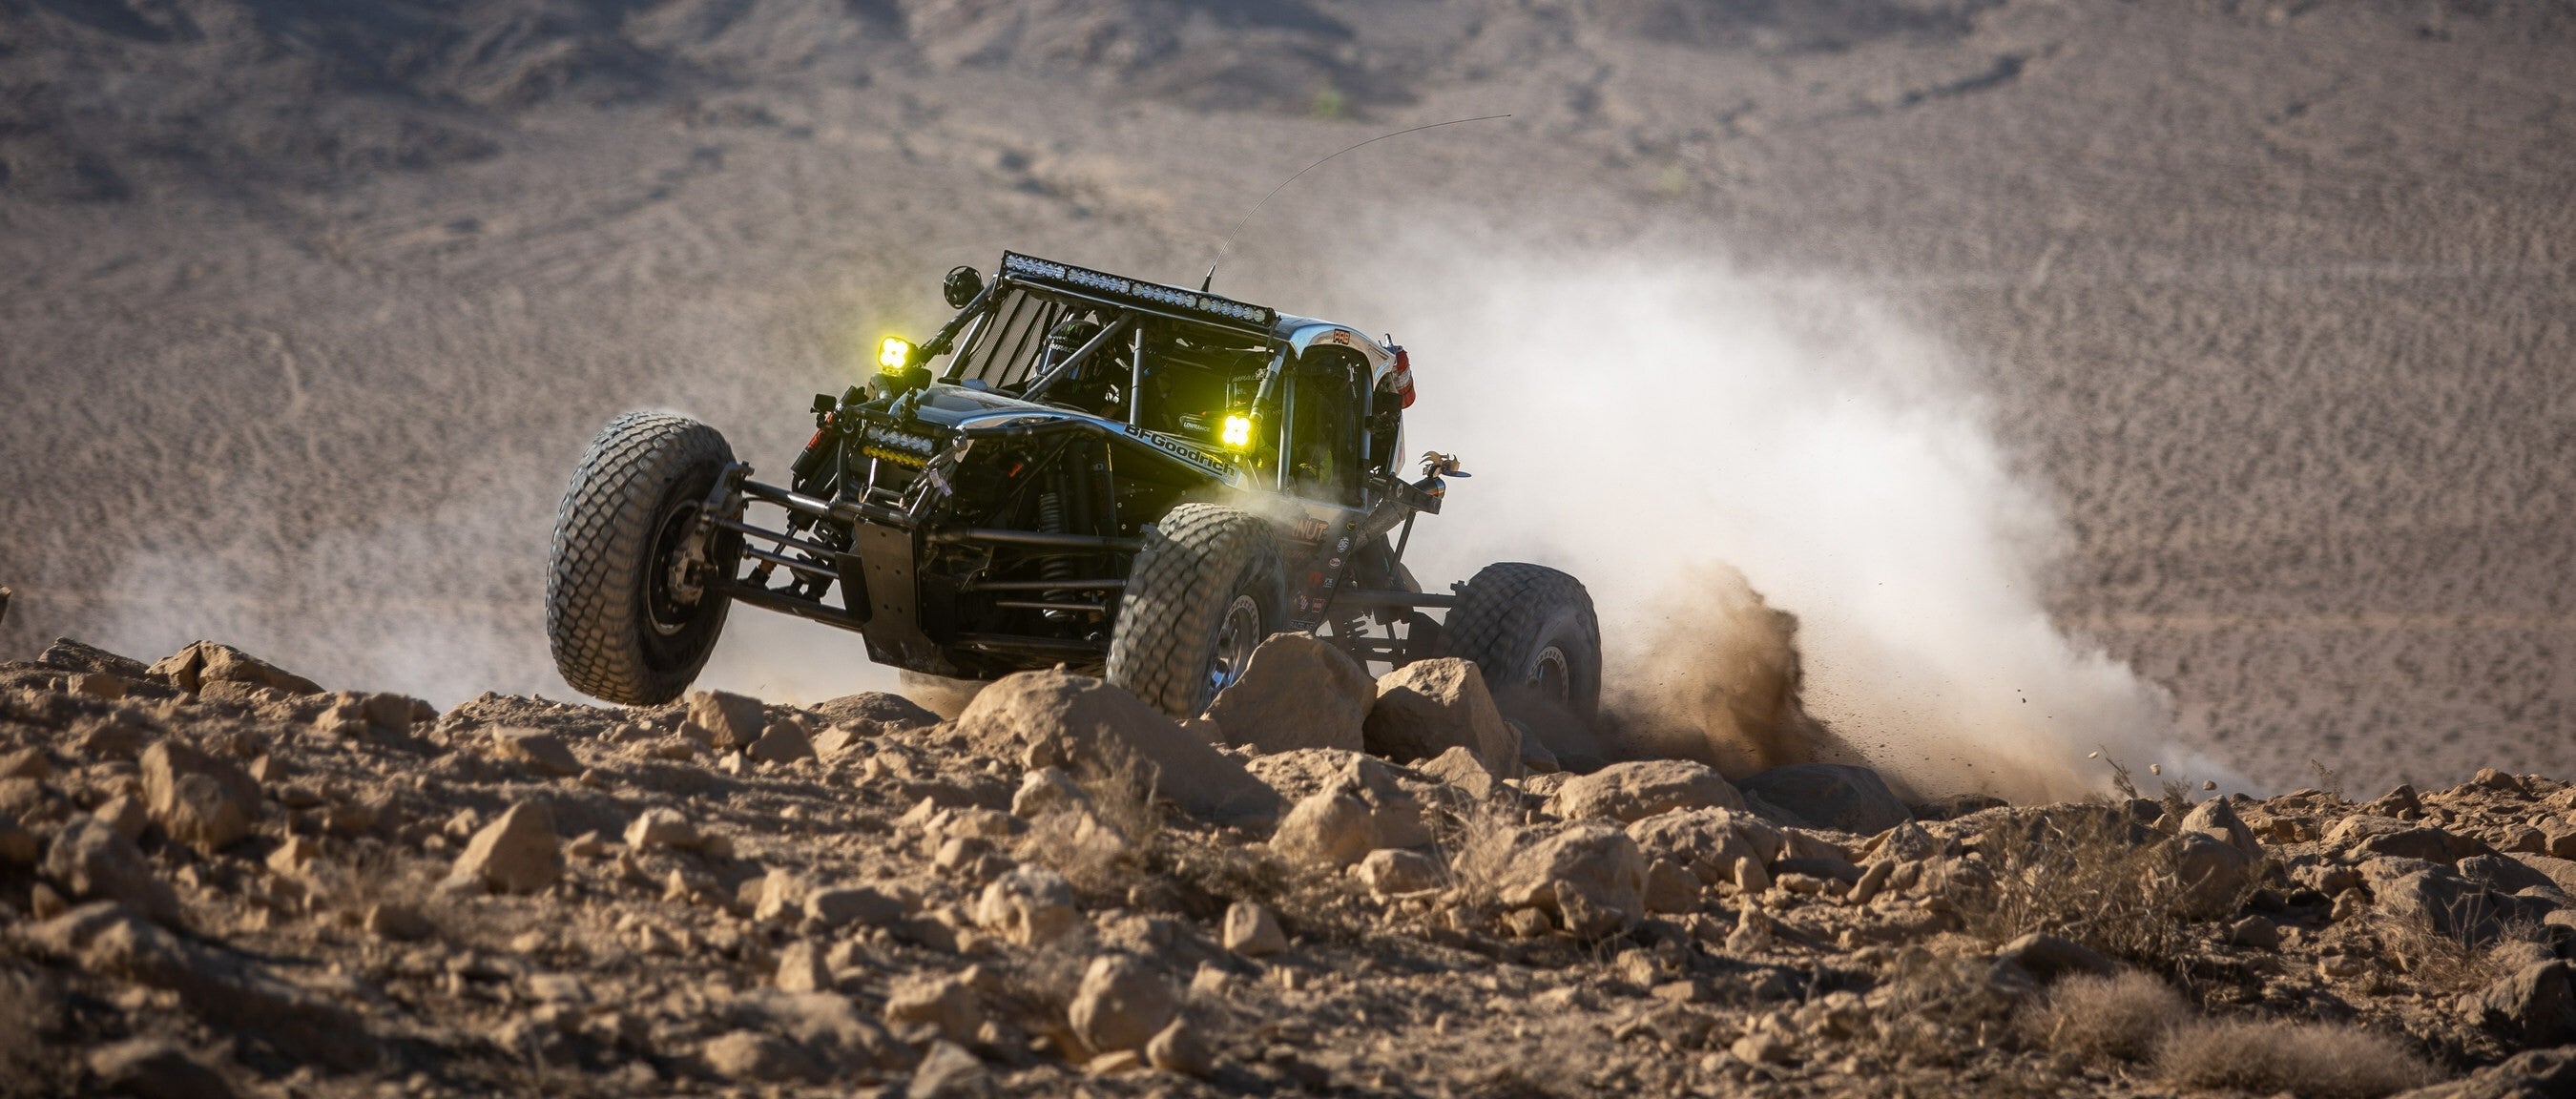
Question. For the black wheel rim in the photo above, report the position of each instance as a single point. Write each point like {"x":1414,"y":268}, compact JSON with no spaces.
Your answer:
{"x":1552,"y":675}
{"x":672,"y":600}
{"x":1236,"y":637}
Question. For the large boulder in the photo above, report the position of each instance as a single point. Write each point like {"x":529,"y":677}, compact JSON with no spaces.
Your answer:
{"x":2560,"y":872}
{"x":2533,"y":1006}
{"x":783,"y":742}
{"x":2430,"y":844}
{"x":1389,"y":871}
{"x":1832,"y":795}
{"x":1430,"y":706}
{"x":1909,"y":842}
{"x":728,"y":720}
{"x":2211,"y":874}
{"x":1460,"y":768}
{"x":1644,"y":788}
{"x":1296,"y":692}
{"x":203,"y":662}
{"x":200,"y":800}
{"x":1704,"y":842}
{"x":1103,"y":734}
{"x":1331,"y":828}
{"x":75,"y":656}
{"x":2506,"y":874}
{"x":2370,"y":835}
{"x":1121,"y":1004}
{"x":518,"y":853}
{"x":2218,"y":820}
{"x":1030,"y":906}
{"x":90,"y":858}
{"x":1589,"y":876}
{"x":2438,"y":898}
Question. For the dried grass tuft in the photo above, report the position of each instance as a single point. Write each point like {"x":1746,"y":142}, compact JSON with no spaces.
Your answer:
{"x":2120,"y":1017}
{"x":2264,"y":1056}
{"x":2079,"y":872}
{"x":2443,"y":964}
{"x":1105,"y":847}
{"x":1477,"y":839}
{"x":1936,"y":1012}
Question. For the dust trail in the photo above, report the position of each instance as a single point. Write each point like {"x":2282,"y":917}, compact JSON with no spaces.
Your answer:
{"x":444,"y":607}
{"x":1648,"y":421}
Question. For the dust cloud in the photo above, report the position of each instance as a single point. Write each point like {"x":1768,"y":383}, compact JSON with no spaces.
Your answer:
{"x":1683,"y":436}
{"x":443,"y":606}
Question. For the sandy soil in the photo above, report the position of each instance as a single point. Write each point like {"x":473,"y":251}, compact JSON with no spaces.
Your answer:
{"x":308,"y":311}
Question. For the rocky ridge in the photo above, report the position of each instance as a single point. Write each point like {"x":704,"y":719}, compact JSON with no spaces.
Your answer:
{"x":217,"y":877}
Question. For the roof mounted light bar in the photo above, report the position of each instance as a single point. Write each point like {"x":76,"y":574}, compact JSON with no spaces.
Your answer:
{"x":1150,"y":293}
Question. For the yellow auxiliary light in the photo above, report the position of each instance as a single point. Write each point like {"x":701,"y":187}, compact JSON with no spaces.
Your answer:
{"x":1237,"y":432}
{"x":894,"y":355}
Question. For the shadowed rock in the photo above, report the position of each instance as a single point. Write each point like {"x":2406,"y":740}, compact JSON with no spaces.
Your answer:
{"x":1644,"y":788}
{"x":1296,"y":692}
{"x":1430,"y":706}
{"x":1832,"y":795}
{"x":1102,"y":733}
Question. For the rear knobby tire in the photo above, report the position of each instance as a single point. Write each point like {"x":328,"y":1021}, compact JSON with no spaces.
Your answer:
{"x":1531,"y":630}
{"x":1205,"y":590}
{"x":619,"y":629}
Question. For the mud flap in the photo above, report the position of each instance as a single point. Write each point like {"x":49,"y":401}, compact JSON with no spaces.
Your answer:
{"x":893,"y":630}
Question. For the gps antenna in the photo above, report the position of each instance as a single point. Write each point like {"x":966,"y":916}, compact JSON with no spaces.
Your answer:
{"x":1227,"y":241}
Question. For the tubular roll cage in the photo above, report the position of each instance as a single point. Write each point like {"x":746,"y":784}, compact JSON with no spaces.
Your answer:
{"x":1389,"y":501}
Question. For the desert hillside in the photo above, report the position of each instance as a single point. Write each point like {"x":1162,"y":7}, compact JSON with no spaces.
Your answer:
{"x":2140,"y":434}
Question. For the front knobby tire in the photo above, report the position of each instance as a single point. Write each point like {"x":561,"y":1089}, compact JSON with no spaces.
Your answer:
{"x":1206,"y":589}
{"x":625,"y":627}
{"x":1531,"y":631}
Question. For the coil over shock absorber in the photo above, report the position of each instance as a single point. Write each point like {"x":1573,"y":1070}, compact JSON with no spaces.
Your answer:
{"x":1051,"y":520}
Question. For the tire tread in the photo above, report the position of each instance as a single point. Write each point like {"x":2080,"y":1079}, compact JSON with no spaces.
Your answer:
{"x":594,"y":580}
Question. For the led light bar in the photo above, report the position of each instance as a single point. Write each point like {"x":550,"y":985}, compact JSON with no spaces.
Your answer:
{"x":1154,"y":293}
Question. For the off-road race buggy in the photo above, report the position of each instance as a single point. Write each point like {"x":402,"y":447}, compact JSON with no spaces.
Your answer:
{"x":1129,"y":479}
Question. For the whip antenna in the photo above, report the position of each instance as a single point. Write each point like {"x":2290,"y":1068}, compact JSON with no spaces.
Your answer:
{"x":1227,"y":241}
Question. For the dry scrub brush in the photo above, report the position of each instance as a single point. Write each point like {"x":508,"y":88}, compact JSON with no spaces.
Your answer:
{"x":1476,"y":841}
{"x":2440,"y":963}
{"x":1103,"y":845}
{"x":2080,"y":873}
{"x":1935,"y":1012}
{"x":2135,"y":1017}
{"x":2264,"y":1056}
{"x":2122,"y":1017}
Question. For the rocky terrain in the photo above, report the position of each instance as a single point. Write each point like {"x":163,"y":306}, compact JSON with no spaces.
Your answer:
{"x":307,"y":310}
{"x":218,"y":878}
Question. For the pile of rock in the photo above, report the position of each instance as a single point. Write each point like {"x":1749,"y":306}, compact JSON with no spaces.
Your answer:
{"x":219,"y":877}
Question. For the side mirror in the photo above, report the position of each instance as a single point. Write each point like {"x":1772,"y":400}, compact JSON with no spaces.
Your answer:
{"x":961,"y":286}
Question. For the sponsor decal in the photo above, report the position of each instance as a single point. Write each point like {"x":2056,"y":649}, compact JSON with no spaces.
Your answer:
{"x":1177,"y":450}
